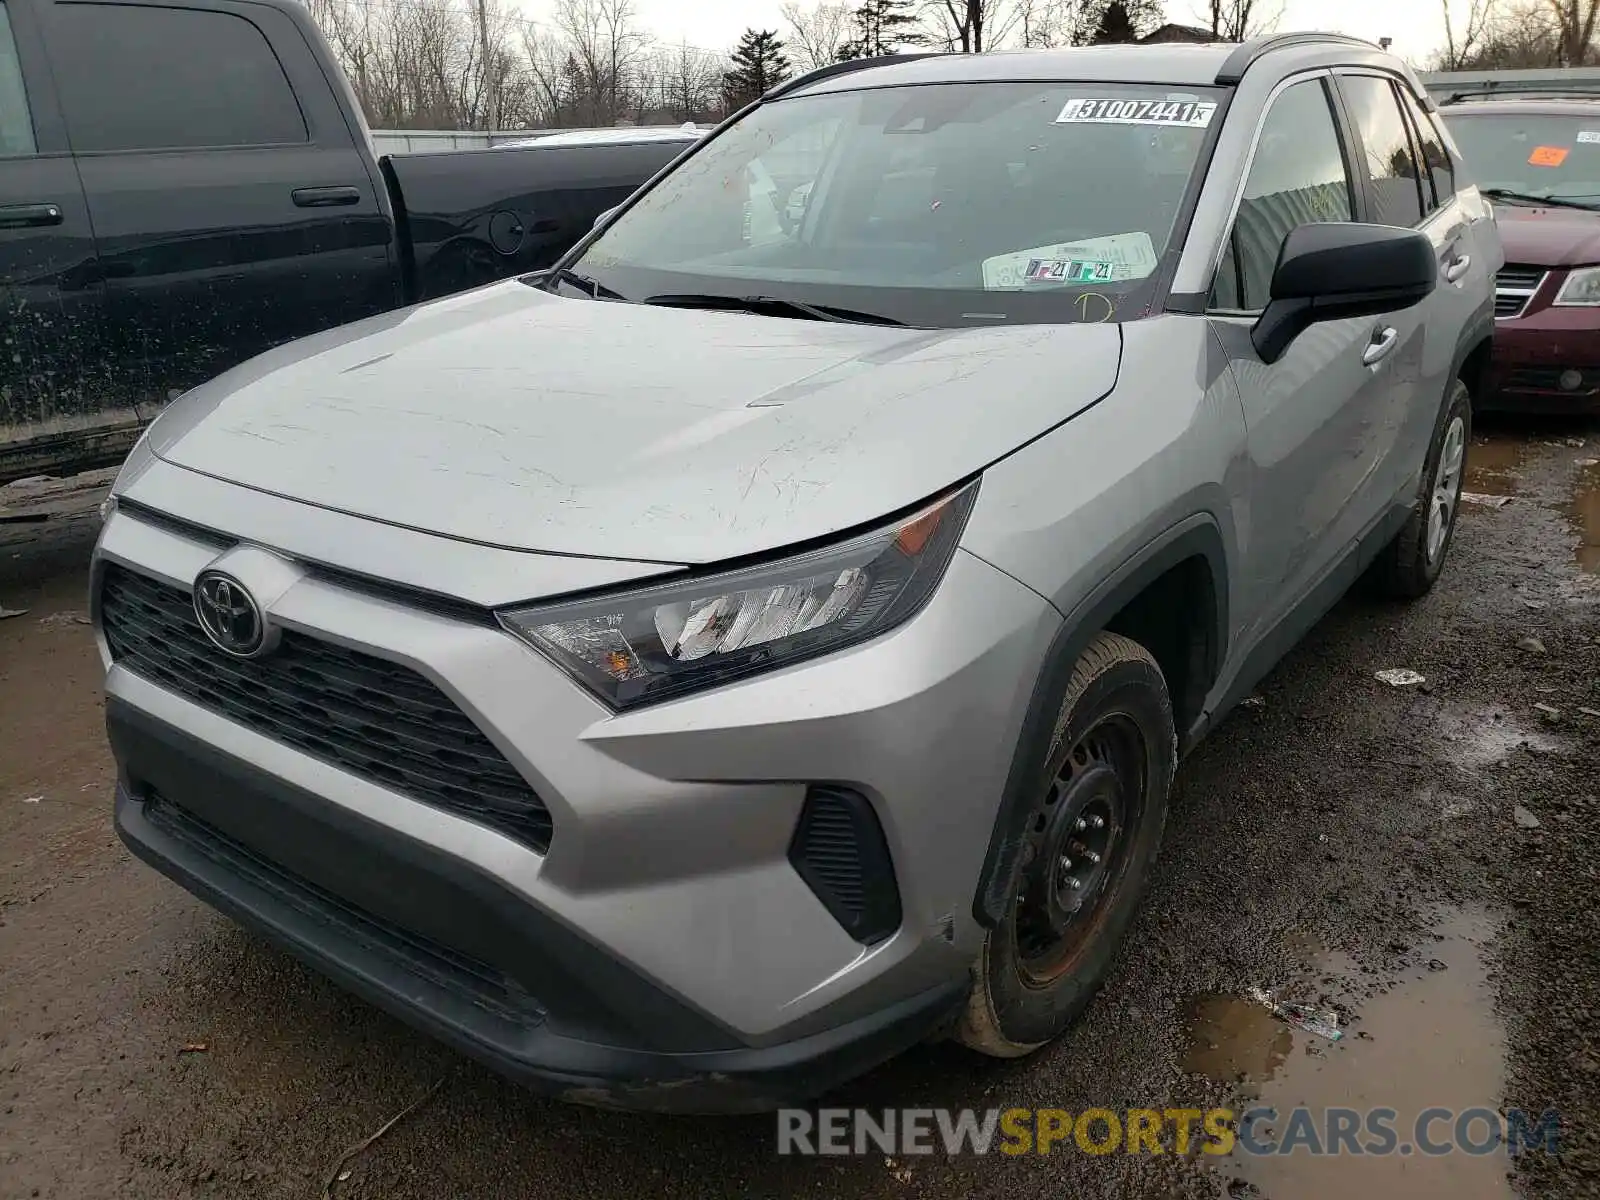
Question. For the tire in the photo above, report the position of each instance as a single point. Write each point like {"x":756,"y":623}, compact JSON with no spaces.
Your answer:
{"x":1111,"y":761}
{"x":1408,"y":567}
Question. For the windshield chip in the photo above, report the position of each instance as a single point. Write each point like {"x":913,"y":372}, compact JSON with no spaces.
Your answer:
{"x":1186,"y":114}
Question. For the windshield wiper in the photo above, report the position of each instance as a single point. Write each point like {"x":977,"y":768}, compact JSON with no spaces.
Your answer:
{"x":771,"y":306}
{"x":1529,"y":198}
{"x":596,"y":289}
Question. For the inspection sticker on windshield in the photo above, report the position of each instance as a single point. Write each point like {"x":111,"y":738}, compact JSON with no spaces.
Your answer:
{"x":1114,"y":259}
{"x":1068,"y":270}
{"x":1547,"y":156}
{"x":1589,"y":137}
{"x":1186,"y":114}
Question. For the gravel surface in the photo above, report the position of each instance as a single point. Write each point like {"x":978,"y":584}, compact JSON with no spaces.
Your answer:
{"x":1422,"y":859}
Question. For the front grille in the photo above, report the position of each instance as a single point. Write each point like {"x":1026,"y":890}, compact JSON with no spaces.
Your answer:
{"x":366,"y":715}
{"x":1514,"y":286}
{"x":480,"y":982}
{"x":839,"y":850}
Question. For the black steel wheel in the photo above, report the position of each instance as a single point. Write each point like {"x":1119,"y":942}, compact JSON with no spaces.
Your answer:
{"x":1087,"y":845}
{"x":1078,"y":847}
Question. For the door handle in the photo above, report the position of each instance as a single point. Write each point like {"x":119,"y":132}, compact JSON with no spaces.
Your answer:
{"x":1457,"y":267}
{"x":325,"y":197}
{"x":1383,"y":341}
{"x":24,"y":216}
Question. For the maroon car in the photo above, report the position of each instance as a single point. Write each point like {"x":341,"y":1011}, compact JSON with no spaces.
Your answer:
{"x":1539,"y":161}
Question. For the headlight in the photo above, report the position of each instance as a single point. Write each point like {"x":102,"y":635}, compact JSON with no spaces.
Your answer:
{"x":664,"y":641}
{"x":1581,"y":288}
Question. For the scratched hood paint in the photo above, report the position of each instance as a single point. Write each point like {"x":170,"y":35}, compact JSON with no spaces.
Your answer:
{"x":510,"y":417}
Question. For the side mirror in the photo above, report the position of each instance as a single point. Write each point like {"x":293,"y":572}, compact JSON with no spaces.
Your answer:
{"x":1329,"y":272}
{"x":606,"y":216}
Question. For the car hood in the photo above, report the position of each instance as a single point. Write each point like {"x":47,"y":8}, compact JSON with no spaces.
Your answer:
{"x":1549,"y":237}
{"x":514,"y":418}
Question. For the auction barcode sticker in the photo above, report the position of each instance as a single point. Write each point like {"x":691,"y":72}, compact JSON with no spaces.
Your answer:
{"x":1186,"y":114}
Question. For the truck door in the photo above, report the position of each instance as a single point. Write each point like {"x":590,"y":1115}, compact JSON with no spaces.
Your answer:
{"x":50,"y":298}
{"x":232,"y":202}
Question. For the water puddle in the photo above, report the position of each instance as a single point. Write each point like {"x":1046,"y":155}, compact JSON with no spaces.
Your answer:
{"x":1494,"y":464}
{"x":1430,"y":1040}
{"x":1585,"y":515}
{"x":1471,"y":740}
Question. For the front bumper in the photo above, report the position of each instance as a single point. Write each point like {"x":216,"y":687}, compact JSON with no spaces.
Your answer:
{"x":664,"y":952}
{"x":1533,"y":351}
{"x":420,"y":959}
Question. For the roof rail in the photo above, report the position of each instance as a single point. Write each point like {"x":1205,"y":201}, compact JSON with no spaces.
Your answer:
{"x":1244,"y":56}
{"x":841,"y":68}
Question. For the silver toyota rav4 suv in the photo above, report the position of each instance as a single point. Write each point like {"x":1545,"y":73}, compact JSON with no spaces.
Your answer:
{"x":766,"y":641}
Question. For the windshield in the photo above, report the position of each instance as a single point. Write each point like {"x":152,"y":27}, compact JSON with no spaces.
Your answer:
{"x":933,"y":205}
{"x":1536,"y":154}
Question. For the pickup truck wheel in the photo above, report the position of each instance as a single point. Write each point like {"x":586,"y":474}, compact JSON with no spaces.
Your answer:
{"x":1088,"y":842}
{"x":1409,"y":565}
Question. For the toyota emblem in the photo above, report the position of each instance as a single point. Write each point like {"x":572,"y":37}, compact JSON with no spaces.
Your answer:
{"x":229,"y":615}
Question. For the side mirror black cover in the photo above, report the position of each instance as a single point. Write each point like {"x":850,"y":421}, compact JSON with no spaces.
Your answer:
{"x":1332,"y":271}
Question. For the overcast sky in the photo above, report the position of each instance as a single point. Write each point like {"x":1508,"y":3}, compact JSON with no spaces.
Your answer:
{"x":1415,"y":25}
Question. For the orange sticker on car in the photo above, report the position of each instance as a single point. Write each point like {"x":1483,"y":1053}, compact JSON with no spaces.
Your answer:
{"x":1548,"y":156}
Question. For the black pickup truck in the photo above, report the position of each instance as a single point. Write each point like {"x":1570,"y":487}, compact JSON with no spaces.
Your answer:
{"x":186,"y":184}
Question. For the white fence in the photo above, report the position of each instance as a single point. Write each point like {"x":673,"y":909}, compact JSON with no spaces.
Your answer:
{"x":430,"y":141}
{"x":424,"y":141}
{"x":1575,"y":81}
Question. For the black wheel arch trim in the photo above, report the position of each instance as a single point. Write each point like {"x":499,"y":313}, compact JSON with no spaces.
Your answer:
{"x":1479,"y":333}
{"x":1195,"y":536}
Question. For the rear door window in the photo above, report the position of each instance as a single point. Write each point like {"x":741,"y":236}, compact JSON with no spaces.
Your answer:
{"x":1435,"y":158}
{"x":145,"y":78}
{"x":1388,"y":159}
{"x":16,"y":121}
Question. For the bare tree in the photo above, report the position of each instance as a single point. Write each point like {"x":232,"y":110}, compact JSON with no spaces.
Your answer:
{"x":1461,"y":42}
{"x":605,"y":46}
{"x":691,"y":82}
{"x":1575,"y":21}
{"x":973,"y":26}
{"x":1496,"y":37}
{"x":1046,"y":23}
{"x":1236,"y":20}
{"x":426,"y":63}
{"x":472,"y":64}
{"x":816,"y":33}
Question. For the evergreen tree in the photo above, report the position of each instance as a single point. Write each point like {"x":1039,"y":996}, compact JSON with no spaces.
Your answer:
{"x":759,"y":64}
{"x":1100,"y":22}
{"x":881,"y":27}
{"x":1115,"y":24}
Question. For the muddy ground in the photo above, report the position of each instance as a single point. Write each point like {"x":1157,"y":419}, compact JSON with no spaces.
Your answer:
{"x":1422,"y":859}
